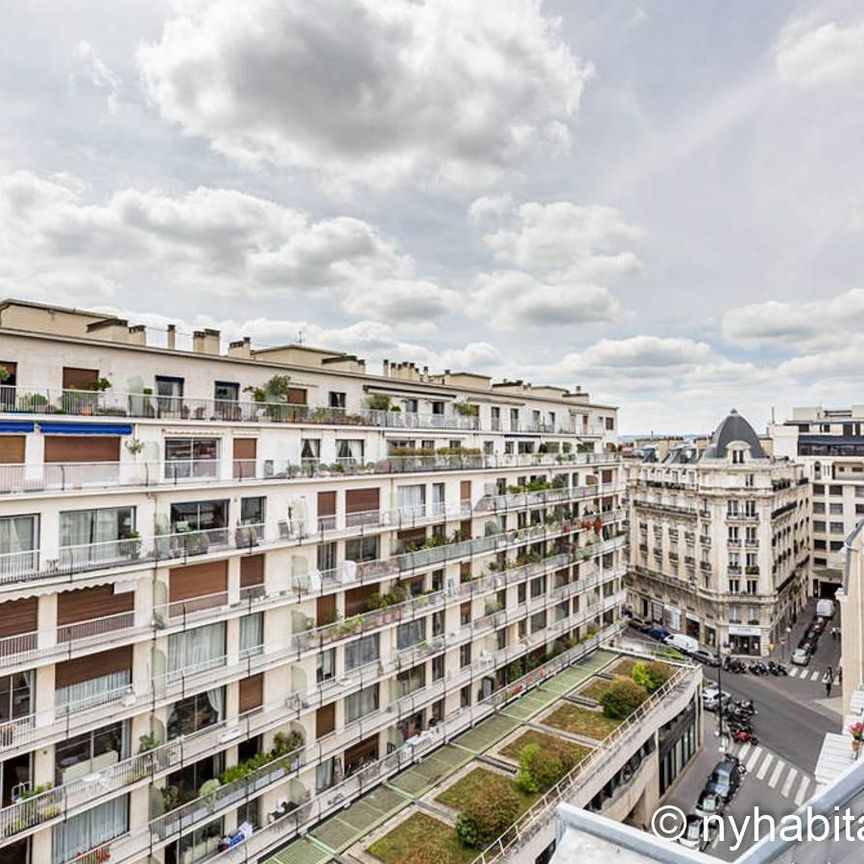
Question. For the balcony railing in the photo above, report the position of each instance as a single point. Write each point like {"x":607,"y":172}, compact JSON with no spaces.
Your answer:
{"x":20,"y":479}
{"x":131,"y":846}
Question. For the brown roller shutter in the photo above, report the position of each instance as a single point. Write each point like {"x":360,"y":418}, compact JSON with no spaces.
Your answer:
{"x":465,"y":490}
{"x":326,"y":504}
{"x":251,"y":570}
{"x":325,"y":609}
{"x":12,"y":449}
{"x":607,"y":476}
{"x":245,"y":454}
{"x":79,"y":379}
{"x":19,"y":616}
{"x":251,"y":693}
{"x":361,"y":500}
{"x":88,"y":603}
{"x":198,"y":586}
{"x":465,"y":529}
{"x":95,"y":666}
{"x":325,"y":720}
{"x":357,"y":599}
{"x":82,"y":448}
{"x":297,"y":395}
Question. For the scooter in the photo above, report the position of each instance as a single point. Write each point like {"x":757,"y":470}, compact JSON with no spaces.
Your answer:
{"x":745,"y":736}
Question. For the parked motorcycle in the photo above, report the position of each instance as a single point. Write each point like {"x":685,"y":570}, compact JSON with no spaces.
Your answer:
{"x":745,"y":736}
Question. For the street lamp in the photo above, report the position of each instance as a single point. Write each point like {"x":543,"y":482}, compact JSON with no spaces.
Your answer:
{"x":788,"y":644}
{"x":720,"y":733}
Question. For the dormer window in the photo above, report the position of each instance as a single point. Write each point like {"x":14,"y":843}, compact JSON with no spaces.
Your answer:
{"x":737,"y":457}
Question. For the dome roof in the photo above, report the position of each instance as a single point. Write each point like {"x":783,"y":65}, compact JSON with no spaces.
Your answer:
{"x":734,"y":428}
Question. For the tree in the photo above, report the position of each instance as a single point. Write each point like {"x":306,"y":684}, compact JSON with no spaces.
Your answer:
{"x":489,"y":813}
{"x":540,"y":768}
{"x":652,"y":676}
{"x":622,"y":699}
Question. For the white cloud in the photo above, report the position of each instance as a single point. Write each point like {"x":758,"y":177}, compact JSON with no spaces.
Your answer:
{"x":52,"y":236}
{"x":374,"y":90}
{"x":566,"y":236}
{"x":489,"y":207}
{"x":511,"y":299}
{"x":796,"y":324}
{"x":94,"y":71}
{"x":809,"y":55}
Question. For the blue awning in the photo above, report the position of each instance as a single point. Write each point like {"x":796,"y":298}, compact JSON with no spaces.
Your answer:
{"x":15,"y":426}
{"x":85,"y":428}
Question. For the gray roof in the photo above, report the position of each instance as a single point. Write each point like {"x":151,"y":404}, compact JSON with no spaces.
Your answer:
{"x":733,"y":428}
{"x":681,"y":454}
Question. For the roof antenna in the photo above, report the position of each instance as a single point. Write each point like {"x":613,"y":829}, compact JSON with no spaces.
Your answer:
{"x":301,"y":337}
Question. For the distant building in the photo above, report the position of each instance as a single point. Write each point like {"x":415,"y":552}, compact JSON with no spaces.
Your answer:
{"x":719,"y":540}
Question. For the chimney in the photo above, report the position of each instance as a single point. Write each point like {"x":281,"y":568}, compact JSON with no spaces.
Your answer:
{"x":386,"y":369}
{"x":138,"y":335}
{"x":171,"y":344}
{"x":242,"y":348}
{"x":205,"y":341}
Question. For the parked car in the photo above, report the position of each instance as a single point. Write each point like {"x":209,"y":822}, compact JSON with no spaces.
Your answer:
{"x":725,"y":779}
{"x":703,"y":655}
{"x":658,"y":633}
{"x":817,"y":626}
{"x":801,"y":656}
{"x":685,"y":644}
{"x":697,"y":833}
{"x":712,"y":698}
{"x":709,"y":804}
{"x":825,"y":608}
{"x":638,"y":624}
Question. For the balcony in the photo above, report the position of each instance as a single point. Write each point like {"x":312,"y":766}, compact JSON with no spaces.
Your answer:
{"x":675,"y":509}
{"x":18,"y":479}
{"x":552,"y":495}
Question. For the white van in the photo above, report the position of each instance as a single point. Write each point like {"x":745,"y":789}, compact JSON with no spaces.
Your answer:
{"x":687,"y":644}
{"x":825,"y":609}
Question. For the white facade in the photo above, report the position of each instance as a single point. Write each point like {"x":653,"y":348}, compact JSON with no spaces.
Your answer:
{"x":192,"y":575}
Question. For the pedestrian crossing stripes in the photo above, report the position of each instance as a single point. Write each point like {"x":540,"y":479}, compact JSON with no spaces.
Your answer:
{"x":810,"y":675}
{"x":788,"y":781}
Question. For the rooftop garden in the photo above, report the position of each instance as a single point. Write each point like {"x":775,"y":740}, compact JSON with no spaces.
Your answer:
{"x":420,"y":839}
{"x":541,"y":739}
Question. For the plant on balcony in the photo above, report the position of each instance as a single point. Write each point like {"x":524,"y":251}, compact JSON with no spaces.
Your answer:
{"x":147,"y":742}
{"x":245,"y":536}
{"x":4,"y":374}
{"x":94,"y":856}
{"x":170,"y":797}
{"x":466,"y":409}
{"x":751,"y":570}
{"x":33,"y":402}
{"x":856,"y":730}
{"x":380,"y":402}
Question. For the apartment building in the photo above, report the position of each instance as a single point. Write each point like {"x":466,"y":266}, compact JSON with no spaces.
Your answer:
{"x":719,"y":540}
{"x":232,"y":584}
{"x":830,"y":445}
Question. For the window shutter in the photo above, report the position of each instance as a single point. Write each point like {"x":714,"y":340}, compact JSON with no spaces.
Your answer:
{"x":361,"y":500}
{"x":17,"y":617}
{"x":12,"y":449}
{"x":82,"y":448}
{"x":93,"y":666}
{"x":86,"y":604}
{"x":325,"y":720}
{"x":198,"y":586}
{"x":251,"y":693}
{"x":79,"y":379}
{"x":251,"y":570}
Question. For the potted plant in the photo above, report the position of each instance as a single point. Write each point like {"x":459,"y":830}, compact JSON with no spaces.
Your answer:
{"x":856,"y":730}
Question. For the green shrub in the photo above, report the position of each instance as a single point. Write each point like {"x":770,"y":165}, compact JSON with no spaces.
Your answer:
{"x":652,"y":676}
{"x":622,"y":699}
{"x":539,"y":768}
{"x":488,"y":814}
{"x":526,"y":781}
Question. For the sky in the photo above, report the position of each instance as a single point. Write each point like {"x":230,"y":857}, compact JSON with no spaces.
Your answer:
{"x":660,"y":202}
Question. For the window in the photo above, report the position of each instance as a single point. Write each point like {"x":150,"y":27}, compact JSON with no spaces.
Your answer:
{"x":836,"y":509}
{"x":199,"y":515}
{"x":610,"y":423}
{"x":252,"y":510}
{"x":336,"y":399}
{"x":752,"y":586}
{"x":361,"y":652}
{"x":252,"y":635}
{"x":737,"y":457}
{"x":731,"y":508}
{"x":361,"y":703}
{"x":501,"y":636}
{"x":196,"y":649}
{"x":91,"y":828}
{"x":749,"y":508}
{"x":325,"y":668}
{"x":169,"y":394}
{"x":324,"y":775}
{"x":83,"y":754}
{"x":734,"y":586}
{"x":410,"y":633}
{"x":521,"y":593}
{"x":412,"y":500}
{"x":19,"y":537}
{"x":835,"y":490}
{"x":225,"y":393}
{"x":819,"y":507}
{"x":464,"y":655}
{"x":326,"y":556}
{"x":836,"y":527}
{"x":91,"y":536}
{"x":818,"y":525}
{"x":16,"y":696}
{"x":196,"y":712}
{"x":538,"y":587}
{"x":465,"y":696}
{"x":349,"y":451}
{"x":310,"y":450}
{"x":538,"y":621}
{"x":410,"y":681}
{"x":191,"y":457}
{"x":818,"y":489}
{"x":361,"y":549}
{"x":438,"y":667}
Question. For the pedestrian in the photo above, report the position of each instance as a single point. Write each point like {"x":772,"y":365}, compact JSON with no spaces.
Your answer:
{"x":840,"y":676}
{"x":828,"y":689}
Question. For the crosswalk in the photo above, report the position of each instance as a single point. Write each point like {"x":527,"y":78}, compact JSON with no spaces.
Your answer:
{"x":789,"y":782}
{"x":804,"y":674}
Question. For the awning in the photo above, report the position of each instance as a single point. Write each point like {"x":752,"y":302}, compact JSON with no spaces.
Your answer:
{"x":16,"y":426}
{"x":85,"y":428}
